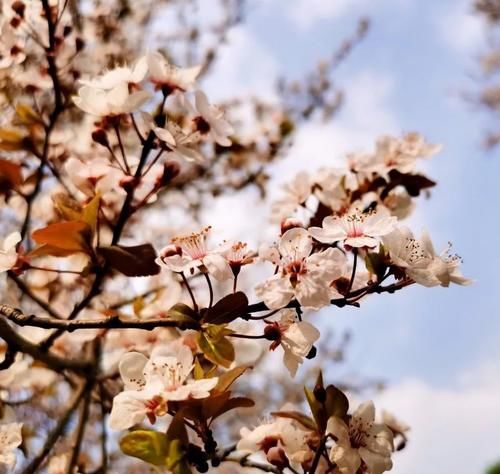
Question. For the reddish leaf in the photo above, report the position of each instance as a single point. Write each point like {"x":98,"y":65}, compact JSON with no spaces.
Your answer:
{"x":64,"y":238}
{"x":131,"y":261}
{"x":227,"y":309}
{"x":10,"y":174}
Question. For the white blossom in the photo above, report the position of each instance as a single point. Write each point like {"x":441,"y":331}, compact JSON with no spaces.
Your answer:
{"x":186,"y":253}
{"x":301,"y":275}
{"x":163,"y":74}
{"x":151,"y":383}
{"x":114,"y":77}
{"x":8,"y":252}
{"x":211,"y":120}
{"x":355,"y":230}
{"x":10,"y":437}
{"x":110,"y":102}
{"x":296,"y":338}
{"x":361,"y":440}
{"x":419,"y":260}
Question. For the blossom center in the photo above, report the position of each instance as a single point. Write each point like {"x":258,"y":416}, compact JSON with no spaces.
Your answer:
{"x":193,"y":245}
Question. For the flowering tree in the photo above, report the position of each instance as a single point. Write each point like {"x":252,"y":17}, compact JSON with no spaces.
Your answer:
{"x":114,"y":350}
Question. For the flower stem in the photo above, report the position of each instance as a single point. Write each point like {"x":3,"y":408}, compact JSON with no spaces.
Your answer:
{"x":210,"y":289}
{"x":190,"y":291}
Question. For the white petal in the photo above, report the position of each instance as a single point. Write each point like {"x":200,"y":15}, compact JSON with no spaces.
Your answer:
{"x":218,"y":266}
{"x":296,"y":244}
{"x":128,"y":410}
{"x":275,"y":291}
{"x":11,"y":241}
{"x":131,"y":368}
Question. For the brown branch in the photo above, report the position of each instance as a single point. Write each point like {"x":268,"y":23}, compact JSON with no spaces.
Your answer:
{"x":18,"y":343}
{"x":125,"y":213}
{"x":80,"y":431}
{"x":56,"y":433}
{"x":116,"y":322}
{"x":27,"y":291}
{"x":112,"y":322}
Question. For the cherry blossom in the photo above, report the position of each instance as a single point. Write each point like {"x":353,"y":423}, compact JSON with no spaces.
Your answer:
{"x":8,"y":252}
{"x":179,"y":142}
{"x":295,"y":194}
{"x":166,"y":76}
{"x":361,"y":440}
{"x":186,"y":253}
{"x":355,"y":230}
{"x":114,"y":77}
{"x":210,"y":121}
{"x":283,"y":435}
{"x":113,"y":102}
{"x":151,"y":383}
{"x":295,"y":337}
{"x":419,"y":260}
{"x":301,"y":275}
{"x":10,"y":437}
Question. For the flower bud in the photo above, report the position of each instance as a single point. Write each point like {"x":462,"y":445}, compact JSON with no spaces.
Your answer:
{"x":277,"y":457}
{"x":19,"y":7}
{"x":272,"y":332}
{"x":15,"y":22}
{"x":312,"y":353}
{"x":129,"y":183}
{"x":171,"y":170}
{"x":79,"y":44}
{"x":319,"y":393}
{"x":290,"y":223}
{"x":100,"y":136}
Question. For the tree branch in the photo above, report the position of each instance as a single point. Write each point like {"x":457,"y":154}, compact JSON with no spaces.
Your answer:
{"x":18,"y":343}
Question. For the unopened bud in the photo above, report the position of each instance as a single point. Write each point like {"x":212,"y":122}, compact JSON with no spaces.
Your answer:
{"x":100,"y":136}
{"x":15,"y":22}
{"x":19,"y":7}
{"x":290,"y":223}
{"x":129,"y":183}
{"x":272,"y":332}
{"x":79,"y":44}
{"x":312,"y":353}
{"x":319,"y":393}
{"x":171,"y":170}
{"x":277,"y":457}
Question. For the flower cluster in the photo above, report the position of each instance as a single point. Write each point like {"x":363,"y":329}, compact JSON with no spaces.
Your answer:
{"x":126,"y":329}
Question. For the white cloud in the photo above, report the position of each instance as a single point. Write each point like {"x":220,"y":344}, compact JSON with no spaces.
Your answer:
{"x":367,"y":113}
{"x":244,"y":67}
{"x":451,"y":430}
{"x":306,"y":13}
{"x":460,"y":28}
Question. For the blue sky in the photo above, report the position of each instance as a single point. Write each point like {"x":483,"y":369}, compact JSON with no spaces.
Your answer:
{"x":438,"y":348}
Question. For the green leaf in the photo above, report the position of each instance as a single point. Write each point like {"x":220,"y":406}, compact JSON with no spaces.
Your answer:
{"x":182,"y":313}
{"x":304,"y":420}
{"x":228,"y":378}
{"x":317,"y":410}
{"x":138,"y":260}
{"x":227,"y":309}
{"x":495,"y":469}
{"x":150,"y":446}
{"x":176,"y":462}
{"x":198,"y":372}
{"x":215,"y":346}
{"x":376,"y":262}
{"x":336,"y":402}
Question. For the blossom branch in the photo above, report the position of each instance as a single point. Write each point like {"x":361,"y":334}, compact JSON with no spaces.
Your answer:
{"x":27,"y":291}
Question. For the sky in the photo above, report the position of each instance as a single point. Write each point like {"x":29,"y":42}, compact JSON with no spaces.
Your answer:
{"x":438,"y":349}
